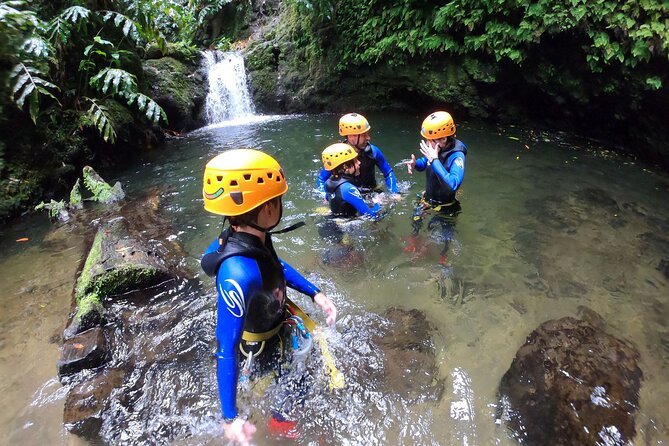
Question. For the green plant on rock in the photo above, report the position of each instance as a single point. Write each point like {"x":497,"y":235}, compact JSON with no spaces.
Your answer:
{"x":57,"y":209}
{"x":101,"y":190}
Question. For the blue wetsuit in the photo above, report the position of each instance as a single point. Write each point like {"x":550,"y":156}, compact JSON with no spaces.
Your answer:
{"x":443,"y":178}
{"x":366,"y":180}
{"x":251,"y":284}
{"x":345,"y":199}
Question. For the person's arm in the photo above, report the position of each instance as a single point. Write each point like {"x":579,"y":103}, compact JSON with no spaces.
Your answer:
{"x":352,"y":195}
{"x":323,"y":176}
{"x":421,"y":164}
{"x":298,"y":282}
{"x":456,"y":173}
{"x":384,"y":167}
{"x":237,"y":281}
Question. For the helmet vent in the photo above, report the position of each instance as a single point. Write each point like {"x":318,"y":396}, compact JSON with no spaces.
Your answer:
{"x":237,"y":197}
{"x":269,"y":175}
{"x":219,"y":178}
{"x":260,"y":180}
{"x":247,"y":176}
{"x":234,"y":183}
{"x":208,"y":180}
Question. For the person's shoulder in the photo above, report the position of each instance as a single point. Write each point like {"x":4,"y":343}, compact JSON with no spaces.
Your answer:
{"x":238,"y":268}
{"x":351,"y":188}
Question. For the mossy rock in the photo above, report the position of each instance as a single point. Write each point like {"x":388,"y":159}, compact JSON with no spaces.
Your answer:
{"x":118,"y":262}
{"x":180,"y":89}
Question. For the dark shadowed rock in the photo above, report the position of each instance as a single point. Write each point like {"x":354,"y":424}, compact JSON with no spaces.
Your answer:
{"x":572,"y":384}
{"x":87,"y":350}
{"x":86,"y":402}
{"x":409,"y":367}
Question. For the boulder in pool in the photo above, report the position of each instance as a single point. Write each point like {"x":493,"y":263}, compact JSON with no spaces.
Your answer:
{"x":572,"y":384}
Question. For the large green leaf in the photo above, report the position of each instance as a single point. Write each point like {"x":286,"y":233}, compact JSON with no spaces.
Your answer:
{"x":29,"y":85}
{"x":114,"y":81}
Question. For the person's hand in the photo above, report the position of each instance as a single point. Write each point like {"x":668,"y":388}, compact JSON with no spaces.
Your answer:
{"x":429,"y":151}
{"x":411,"y":164}
{"x":328,"y":308}
{"x":239,"y":431}
{"x":396,"y":197}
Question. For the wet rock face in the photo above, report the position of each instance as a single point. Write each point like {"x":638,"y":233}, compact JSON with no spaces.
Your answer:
{"x":86,"y":402}
{"x":571,"y":383}
{"x":409,"y":367}
{"x":87,"y":350}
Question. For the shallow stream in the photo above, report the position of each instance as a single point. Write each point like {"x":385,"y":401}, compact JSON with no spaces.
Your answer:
{"x":551,"y":226}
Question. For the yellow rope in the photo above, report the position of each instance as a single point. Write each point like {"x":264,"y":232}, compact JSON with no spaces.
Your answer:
{"x":337,"y":380}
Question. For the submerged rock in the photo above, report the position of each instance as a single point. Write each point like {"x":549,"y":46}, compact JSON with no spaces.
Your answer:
{"x":86,"y":402}
{"x":570,"y":384}
{"x":409,"y":367}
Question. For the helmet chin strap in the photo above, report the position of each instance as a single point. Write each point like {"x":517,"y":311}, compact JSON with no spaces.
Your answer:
{"x":269,"y":231}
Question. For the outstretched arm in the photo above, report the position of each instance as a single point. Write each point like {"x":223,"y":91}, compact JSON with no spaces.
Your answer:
{"x":352,"y":195}
{"x":384,"y":167}
{"x":298,"y":282}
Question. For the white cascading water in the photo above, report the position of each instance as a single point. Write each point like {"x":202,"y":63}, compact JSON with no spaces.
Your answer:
{"x":228,"y":97}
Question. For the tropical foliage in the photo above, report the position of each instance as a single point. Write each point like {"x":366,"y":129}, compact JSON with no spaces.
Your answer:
{"x":606,"y":32}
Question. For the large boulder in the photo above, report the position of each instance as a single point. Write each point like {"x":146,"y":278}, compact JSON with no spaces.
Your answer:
{"x":571,"y":383}
{"x":180,"y":89}
{"x":118,"y":261}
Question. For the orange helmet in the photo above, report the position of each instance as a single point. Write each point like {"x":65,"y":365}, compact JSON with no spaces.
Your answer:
{"x":237,"y":181}
{"x":337,"y":154}
{"x":438,"y":125}
{"x":353,"y":124}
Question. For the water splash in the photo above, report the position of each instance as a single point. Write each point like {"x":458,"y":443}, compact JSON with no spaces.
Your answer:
{"x":228,"y":97}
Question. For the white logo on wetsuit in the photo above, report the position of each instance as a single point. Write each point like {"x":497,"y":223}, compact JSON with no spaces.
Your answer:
{"x":234,"y":299}
{"x":355,"y":193}
{"x":459,"y":162}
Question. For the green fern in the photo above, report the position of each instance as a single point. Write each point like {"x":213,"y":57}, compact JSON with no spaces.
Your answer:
{"x":38,"y":47}
{"x":76,"y":14}
{"x":128,"y":26}
{"x":101,"y":120}
{"x":114,"y":81}
{"x":28,"y":85}
{"x":151,"y":109}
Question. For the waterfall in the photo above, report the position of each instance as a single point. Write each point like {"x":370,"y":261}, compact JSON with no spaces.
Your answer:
{"x":228,"y":97}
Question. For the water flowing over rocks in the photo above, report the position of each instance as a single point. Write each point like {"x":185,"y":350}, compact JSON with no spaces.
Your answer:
{"x":127,"y":271}
{"x":571,"y":383}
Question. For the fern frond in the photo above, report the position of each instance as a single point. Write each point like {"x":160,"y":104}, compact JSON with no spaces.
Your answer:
{"x":101,"y":119}
{"x":16,"y":18}
{"x":128,"y":26}
{"x":151,"y":109}
{"x":59,"y":31}
{"x":75,"y":14}
{"x":116,"y":79}
{"x":38,"y":47}
{"x":29,"y":85}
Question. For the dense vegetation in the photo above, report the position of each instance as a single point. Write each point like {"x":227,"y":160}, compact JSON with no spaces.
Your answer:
{"x":71,"y":75}
{"x":592,"y":66}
